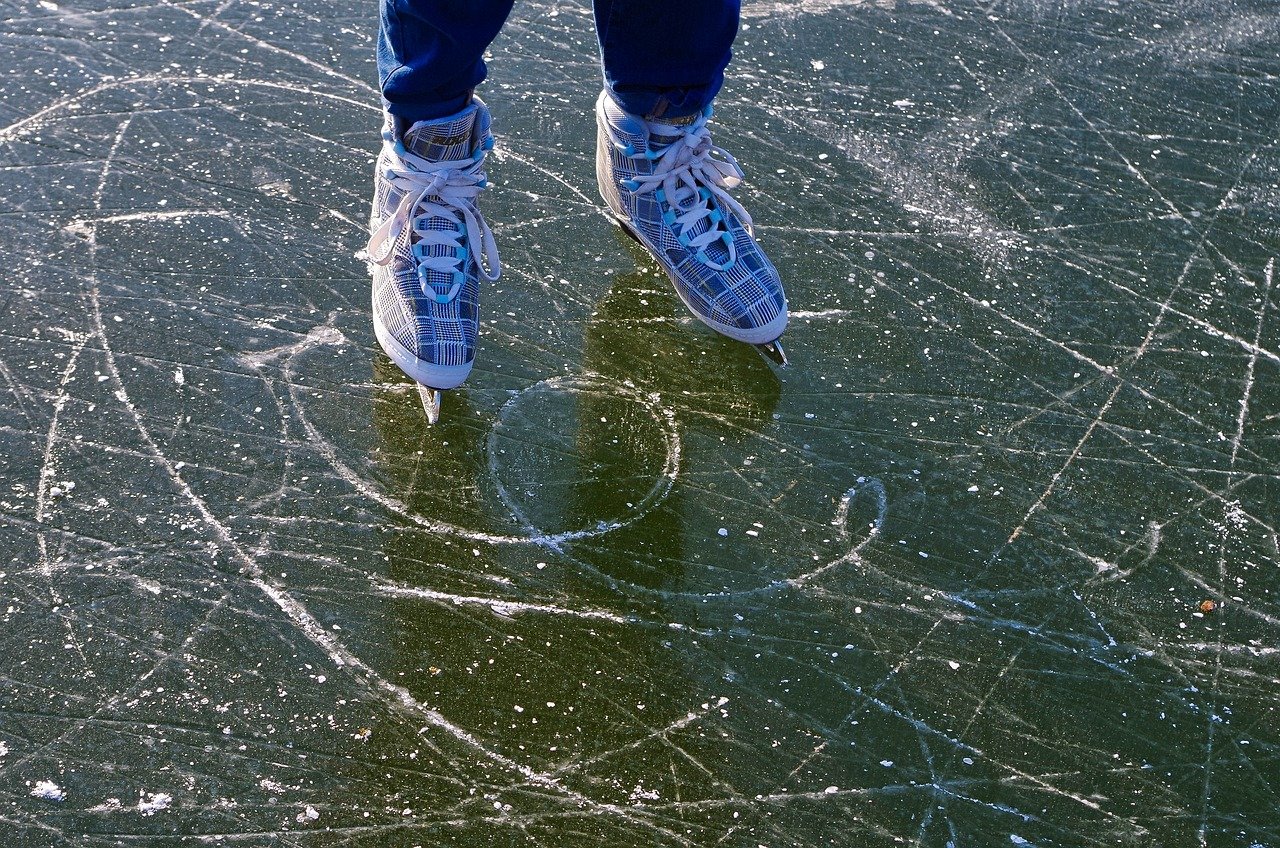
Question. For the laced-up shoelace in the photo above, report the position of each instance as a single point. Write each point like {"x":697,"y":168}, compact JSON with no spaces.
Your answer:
{"x":452,"y":187}
{"x":693,"y":182}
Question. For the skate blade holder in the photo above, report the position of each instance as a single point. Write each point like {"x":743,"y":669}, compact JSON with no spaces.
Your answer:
{"x":430,"y":402}
{"x":774,"y":352}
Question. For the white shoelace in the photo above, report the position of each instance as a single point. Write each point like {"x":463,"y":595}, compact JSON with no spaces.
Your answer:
{"x":453,"y":187}
{"x":691,"y":171}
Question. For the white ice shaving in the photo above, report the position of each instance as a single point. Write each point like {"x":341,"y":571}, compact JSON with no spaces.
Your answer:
{"x":48,"y":790}
{"x":152,"y":802}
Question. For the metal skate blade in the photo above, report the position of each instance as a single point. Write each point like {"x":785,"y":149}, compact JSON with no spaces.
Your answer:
{"x":430,"y":402}
{"x":773,"y":351}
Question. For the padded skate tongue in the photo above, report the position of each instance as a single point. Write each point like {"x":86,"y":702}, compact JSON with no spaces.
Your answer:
{"x":444,"y":140}
{"x":662,"y":133}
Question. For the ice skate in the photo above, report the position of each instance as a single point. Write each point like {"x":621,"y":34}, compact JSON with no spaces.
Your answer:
{"x":667,"y":186}
{"x":430,"y":248}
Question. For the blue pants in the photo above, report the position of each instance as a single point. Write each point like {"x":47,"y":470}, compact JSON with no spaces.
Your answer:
{"x":662,"y":58}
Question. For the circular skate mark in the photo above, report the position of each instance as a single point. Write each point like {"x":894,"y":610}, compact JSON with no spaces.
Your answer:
{"x":570,"y":458}
{"x":533,"y":450}
{"x":581,"y":452}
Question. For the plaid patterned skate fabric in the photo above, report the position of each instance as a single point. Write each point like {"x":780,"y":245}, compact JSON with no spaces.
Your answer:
{"x":668,"y":185}
{"x":427,"y":244}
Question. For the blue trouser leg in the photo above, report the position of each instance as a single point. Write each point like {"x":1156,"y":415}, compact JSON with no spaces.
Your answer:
{"x":430,"y":53}
{"x":662,"y":58}
{"x":665,"y":58}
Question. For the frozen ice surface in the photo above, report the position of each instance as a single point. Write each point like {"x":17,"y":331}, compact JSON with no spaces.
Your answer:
{"x":1031,"y":248}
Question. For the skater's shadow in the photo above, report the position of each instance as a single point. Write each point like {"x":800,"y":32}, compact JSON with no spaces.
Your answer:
{"x":433,"y":469}
{"x":640,"y":334}
{"x":572,"y":454}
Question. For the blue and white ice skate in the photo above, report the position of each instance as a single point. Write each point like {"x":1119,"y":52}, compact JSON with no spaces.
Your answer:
{"x":430,"y":248}
{"x":668,"y":186}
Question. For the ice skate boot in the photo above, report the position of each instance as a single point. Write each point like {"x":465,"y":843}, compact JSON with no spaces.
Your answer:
{"x":668,"y":187}
{"x":430,"y":248}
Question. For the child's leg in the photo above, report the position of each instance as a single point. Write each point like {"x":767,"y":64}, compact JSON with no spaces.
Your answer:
{"x":429,"y":54}
{"x":665,"y":58}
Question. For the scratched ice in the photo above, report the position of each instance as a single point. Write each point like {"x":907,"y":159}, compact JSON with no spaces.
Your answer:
{"x":994,"y":563}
